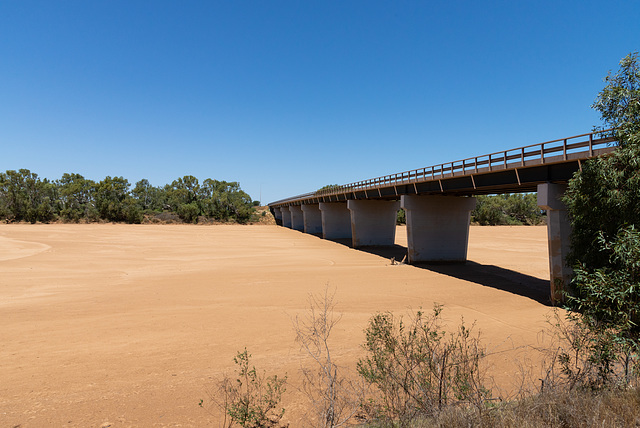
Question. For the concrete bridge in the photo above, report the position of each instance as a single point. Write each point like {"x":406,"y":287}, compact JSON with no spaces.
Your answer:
{"x":438,"y":201}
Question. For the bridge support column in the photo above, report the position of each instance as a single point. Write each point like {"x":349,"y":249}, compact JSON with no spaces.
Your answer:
{"x":312,"y":218}
{"x":559,"y":236}
{"x":277,"y":215}
{"x":297,"y":221}
{"x":438,"y":227}
{"x":336,"y":220}
{"x":286,"y":216}
{"x":373,"y":222}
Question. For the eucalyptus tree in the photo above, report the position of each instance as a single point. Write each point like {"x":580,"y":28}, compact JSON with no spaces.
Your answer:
{"x":114,"y":202}
{"x":604,"y":205}
{"x":23,"y":196}
{"x":77,"y":197}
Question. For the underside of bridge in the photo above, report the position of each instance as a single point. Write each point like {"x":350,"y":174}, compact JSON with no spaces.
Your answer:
{"x":438,"y":201}
{"x":437,"y":226}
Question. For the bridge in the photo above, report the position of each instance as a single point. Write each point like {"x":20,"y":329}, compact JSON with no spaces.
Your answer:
{"x":438,"y":201}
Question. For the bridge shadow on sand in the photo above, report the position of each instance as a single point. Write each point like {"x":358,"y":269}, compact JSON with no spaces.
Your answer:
{"x":487,"y":275}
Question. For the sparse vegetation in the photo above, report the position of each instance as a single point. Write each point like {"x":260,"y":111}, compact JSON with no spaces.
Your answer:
{"x":418,"y":370}
{"x":420,"y":375}
{"x":251,"y":400}
{"x":550,"y":410}
{"x":334,"y":396}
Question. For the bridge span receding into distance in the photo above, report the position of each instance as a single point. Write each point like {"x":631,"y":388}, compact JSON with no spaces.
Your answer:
{"x":438,"y":201}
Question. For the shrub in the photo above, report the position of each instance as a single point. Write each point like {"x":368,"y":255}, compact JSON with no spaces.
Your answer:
{"x":251,"y":400}
{"x":334,"y":397}
{"x":418,"y":369}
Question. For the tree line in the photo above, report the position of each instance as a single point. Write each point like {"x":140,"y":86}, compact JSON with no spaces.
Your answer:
{"x":507,"y":209}
{"x":74,"y":198}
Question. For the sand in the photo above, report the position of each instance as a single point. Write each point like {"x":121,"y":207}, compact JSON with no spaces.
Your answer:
{"x":130,"y":325}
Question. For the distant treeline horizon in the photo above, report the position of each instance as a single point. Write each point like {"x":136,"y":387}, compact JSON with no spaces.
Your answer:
{"x":73,"y":198}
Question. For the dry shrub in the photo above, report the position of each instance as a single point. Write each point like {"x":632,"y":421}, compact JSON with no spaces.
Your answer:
{"x":418,"y":370}
{"x":611,"y":409}
{"x":578,"y":356}
{"x":334,"y":394}
{"x":251,"y":400}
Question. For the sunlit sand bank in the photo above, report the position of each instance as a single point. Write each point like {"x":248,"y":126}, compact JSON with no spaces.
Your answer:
{"x":130,"y":324}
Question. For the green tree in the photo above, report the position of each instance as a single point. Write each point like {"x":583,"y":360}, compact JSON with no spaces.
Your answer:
{"x":183,"y":197}
{"x":113,"y":201}
{"x":619,"y":101}
{"x":23,"y":196}
{"x":519,"y":208}
{"x":211,"y":193}
{"x":605,"y":196}
{"x":604,"y":207}
{"x":77,"y":197}
{"x":225,"y":201}
{"x":148,"y":197}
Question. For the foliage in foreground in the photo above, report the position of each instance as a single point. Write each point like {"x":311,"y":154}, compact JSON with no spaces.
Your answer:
{"x":252,"y":400}
{"x":604,"y":206}
{"x":25,"y":197}
{"x":586,"y":379}
{"x":580,"y":408}
{"x":334,"y":396}
{"x":608,"y":305}
{"x":605,"y":196}
{"x":421,"y":374}
{"x":417,"y":369}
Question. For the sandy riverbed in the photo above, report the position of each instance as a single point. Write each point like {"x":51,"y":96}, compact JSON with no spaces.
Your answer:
{"x":128,"y":325}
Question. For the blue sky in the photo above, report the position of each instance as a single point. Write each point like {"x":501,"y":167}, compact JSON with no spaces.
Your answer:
{"x":288,"y":96}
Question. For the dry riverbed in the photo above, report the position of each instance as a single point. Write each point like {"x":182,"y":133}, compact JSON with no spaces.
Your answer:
{"x":130,"y":325}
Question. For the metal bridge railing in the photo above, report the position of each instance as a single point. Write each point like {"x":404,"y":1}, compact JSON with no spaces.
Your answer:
{"x":579,"y":146}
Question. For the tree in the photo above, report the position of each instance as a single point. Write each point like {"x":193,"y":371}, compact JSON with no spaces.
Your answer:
{"x":183,"y":196}
{"x":604,"y":207}
{"x":77,"y":197}
{"x":519,"y":208}
{"x":605,"y":195}
{"x":114,"y":203}
{"x":619,"y":101}
{"x":148,"y":197}
{"x":23,"y":196}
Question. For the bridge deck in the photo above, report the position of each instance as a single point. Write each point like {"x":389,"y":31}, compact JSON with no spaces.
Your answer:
{"x":510,"y":171}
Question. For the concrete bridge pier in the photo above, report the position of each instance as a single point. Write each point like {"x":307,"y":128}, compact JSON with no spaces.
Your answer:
{"x":336,"y":220}
{"x":312,"y":218}
{"x":438,"y":227}
{"x":277,"y":215}
{"x":373,"y":222}
{"x":297,"y":221}
{"x":286,"y":216}
{"x":559,"y":236}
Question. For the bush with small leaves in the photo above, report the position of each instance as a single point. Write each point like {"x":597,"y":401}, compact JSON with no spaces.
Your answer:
{"x":252,"y":400}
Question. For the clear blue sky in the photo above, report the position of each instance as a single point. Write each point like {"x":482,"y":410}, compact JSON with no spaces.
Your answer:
{"x":288,"y":96}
